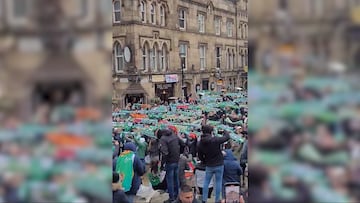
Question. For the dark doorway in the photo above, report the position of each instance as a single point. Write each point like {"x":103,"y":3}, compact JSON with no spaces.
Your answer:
{"x":53,"y":94}
{"x":164,"y":91}
{"x":205,"y":85}
{"x":134,"y":98}
{"x":251,"y":55}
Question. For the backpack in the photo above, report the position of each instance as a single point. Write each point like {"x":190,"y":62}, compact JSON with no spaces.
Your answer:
{"x":125,"y":169}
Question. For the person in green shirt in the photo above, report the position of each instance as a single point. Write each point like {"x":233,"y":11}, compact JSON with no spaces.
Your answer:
{"x":141,"y":148}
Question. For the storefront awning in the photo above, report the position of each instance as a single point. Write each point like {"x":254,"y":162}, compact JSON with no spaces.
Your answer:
{"x":135,"y":88}
{"x":61,"y":68}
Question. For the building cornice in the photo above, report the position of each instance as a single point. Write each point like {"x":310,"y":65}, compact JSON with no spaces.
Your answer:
{"x":132,"y":23}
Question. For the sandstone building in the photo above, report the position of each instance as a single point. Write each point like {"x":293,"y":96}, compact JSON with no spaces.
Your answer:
{"x":153,"y":40}
{"x":51,"y":46}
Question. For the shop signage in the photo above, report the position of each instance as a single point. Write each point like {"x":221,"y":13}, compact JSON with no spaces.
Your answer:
{"x":171,"y":78}
{"x":163,"y":86}
{"x":157,"y":78}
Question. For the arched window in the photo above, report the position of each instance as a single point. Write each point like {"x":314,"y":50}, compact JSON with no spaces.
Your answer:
{"x":245,"y":31}
{"x":154,"y":58}
{"x":117,"y":11}
{"x":162,"y":15}
{"x":144,"y":51}
{"x":241,"y":31}
{"x":231,"y":60}
{"x":119,"y":57}
{"x":228,"y":60}
{"x":234,"y":60}
{"x":143,"y":11}
{"x":163,"y":58}
{"x":152,"y":14}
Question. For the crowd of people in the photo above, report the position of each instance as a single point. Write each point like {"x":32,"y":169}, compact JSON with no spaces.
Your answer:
{"x":58,"y":156}
{"x":186,"y":150}
{"x":304,"y":132}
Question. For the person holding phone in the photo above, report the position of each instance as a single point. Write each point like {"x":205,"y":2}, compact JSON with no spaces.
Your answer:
{"x":211,"y":155}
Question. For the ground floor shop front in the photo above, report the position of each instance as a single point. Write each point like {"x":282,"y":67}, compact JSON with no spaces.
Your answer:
{"x":163,"y":88}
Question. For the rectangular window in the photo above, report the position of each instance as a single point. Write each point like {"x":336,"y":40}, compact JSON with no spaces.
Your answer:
{"x":229,"y":26}
{"x":201,"y":22}
{"x":202,"y":50}
{"x":182,"y":19}
{"x":218,"y":57}
{"x":183,"y":56}
{"x":217,"y":26}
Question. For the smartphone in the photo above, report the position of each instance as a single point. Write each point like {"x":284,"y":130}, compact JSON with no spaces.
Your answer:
{"x":232,"y":192}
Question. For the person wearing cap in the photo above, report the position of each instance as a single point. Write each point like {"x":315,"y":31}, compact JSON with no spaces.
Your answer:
{"x":211,"y":155}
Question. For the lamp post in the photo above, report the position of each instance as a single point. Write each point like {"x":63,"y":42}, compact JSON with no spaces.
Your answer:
{"x":182,"y":60}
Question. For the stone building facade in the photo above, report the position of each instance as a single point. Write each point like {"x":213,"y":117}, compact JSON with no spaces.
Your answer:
{"x":49,"y":46}
{"x":320,"y":32}
{"x":207,"y":38}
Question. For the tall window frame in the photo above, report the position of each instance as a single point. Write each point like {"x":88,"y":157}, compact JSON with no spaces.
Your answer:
{"x":162,"y":15}
{"x":201,"y":23}
{"x":142,"y":10}
{"x":153,"y":13}
{"x":182,"y":19}
{"x":229,"y":28}
{"x":118,"y":57}
{"x":183,"y":52}
{"x":218,"y":57}
{"x":202,"y":53}
{"x":217,"y":25}
{"x":117,"y":11}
